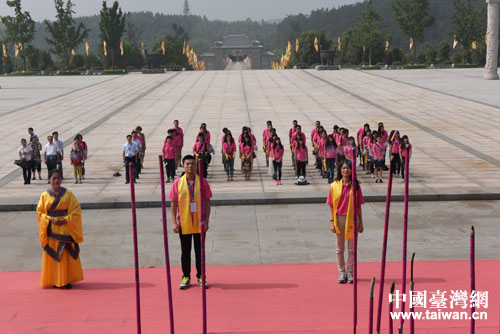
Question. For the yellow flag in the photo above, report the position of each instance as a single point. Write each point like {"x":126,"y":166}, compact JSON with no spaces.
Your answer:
{"x":73,"y":52}
{"x":142,"y":48}
{"x":4,"y":47}
{"x":121,"y":48}
{"x":184,"y":48}
{"x":339,"y":42}
{"x":16,"y":47}
{"x":455,"y":42}
{"x":105,"y":48}
{"x":163,"y":47}
{"x":474,"y":45}
{"x":411,"y":43}
{"x":188,"y":51}
{"x":297,"y":45}
{"x":316,"y":44}
{"x":386,"y":46}
{"x":87,"y":48}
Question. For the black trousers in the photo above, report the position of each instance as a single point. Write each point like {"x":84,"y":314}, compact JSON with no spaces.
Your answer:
{"x":186,"y":253}
{"x":170,"y":167}
{"x":51,"y":163}
{"x":301,"y":168}
{"x":395,"y":163}
{"x":128,"y":161}
{"x":277,"y":170}
{"x":27,"y":172}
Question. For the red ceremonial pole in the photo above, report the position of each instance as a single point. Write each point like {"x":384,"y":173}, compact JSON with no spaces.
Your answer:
{"x":165,"y":244}
{"x":136,"y":252}
{"x":202,"y":240}
{"x":390,"y":307}
{"x":370,"y":317}
{"x":405,"y":235}
{"x":355,"y":242}
{"x":384,"y":249}
{"x":412,"y":286}
{"x":472,"y":277}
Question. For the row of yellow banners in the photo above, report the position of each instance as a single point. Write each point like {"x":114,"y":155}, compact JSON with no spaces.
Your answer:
{"x":192,"y":57}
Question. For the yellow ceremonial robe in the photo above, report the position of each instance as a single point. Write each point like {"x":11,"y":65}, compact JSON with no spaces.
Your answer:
{"x":190,"y":222}
{"x":336,"y":190}
{"x":60,"y":261}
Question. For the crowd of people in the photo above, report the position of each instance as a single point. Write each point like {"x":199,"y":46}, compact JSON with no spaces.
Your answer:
{"x":32,"y":153}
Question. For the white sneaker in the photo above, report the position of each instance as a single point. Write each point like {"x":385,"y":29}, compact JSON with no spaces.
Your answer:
{"x":373,"y":175}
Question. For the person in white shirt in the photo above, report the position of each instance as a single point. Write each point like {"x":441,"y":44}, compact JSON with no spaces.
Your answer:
{"x":50,"y":155}
{"x":25,"y":156}
{"x":140,"y":147}
{"x":60,"y":149}
{"x":130,"y":156}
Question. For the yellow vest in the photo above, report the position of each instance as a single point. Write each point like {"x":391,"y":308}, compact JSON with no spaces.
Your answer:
{"x":190,"y":223}
{"x":336,"y":190}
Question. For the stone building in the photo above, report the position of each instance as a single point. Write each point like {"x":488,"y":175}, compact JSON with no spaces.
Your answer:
{"x":237,"y":48}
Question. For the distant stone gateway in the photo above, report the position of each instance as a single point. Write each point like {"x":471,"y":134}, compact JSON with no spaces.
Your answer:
{"x":237,"y":48}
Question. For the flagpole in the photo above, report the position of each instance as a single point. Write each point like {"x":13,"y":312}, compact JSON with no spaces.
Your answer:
{"x":370,"y":316}
{"x":136,"y":252}
{"x":384,"y":248}
{"x":202,"y":240}
{"x":405,"y":233}
{"x":165,"y":245}
{"x":355,"y":242}
{"x":472,"y":277}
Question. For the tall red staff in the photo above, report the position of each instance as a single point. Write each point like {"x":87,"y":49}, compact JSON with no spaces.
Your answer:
{"x":165,"y":244}
{"x":384,"y":249}
{"x":202,"y":240}
{"x":412,"y":287}
{"x":472,"y":278}
{"x":390,"y":307}
{"x":370,"y":316}
{"x":405,"y":233}
{"x":136,"y":252}
{"x":355,"y":242}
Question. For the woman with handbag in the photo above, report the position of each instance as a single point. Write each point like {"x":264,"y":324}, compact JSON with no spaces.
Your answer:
{"x":77,"y":159}
{"x":202,"y":151}
{"x":25,"y":153}
{"x":228,"y":149}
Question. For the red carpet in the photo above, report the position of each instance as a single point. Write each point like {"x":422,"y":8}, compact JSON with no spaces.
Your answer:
{"x":302,"y":298}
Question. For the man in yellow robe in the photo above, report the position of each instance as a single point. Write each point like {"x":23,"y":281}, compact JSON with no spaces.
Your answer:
{"x":60,"y":229}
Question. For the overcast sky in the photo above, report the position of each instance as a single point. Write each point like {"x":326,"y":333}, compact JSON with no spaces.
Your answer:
{"x":213,"y":9}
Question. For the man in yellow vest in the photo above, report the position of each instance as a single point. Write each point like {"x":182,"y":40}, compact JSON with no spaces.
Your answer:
{"x":190,"y":199}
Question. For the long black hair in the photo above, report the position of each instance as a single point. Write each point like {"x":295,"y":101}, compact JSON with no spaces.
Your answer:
{"x":228,"y":133}
{"x":244,"y":142}
{"x":280,"y":145}
{"x":339,"y":172}
{"x":332,"y":142}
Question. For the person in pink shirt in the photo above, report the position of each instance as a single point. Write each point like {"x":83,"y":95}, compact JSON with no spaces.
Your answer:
{"x":330,"y":154}
{"x":336,"y":133}
{"x":252,"y":139}
{"x":247,"y":155}
{"x":350,"y":149}
{"x":365,"y":147}
{"x":228,"y":150}
{"x":341,"y":143}
{"x":378,"y":159}
{"x":177,"y":142}
{"x":169,"y":152}
{"x":320,"y":142}
{"x":341,"y":202}
{"x":315,"y":131}
{"x":384,"y":137}
{"x":404,"y":151}
{"x":277,"y":154}
{"x":266,"y":135}
{"x":302,"y":157}
{"x":202,"y":150}
{"x":291,"y":131}
{"x":394,"y":146}
{"x":359,"y":136}
{"x":205,"y":132}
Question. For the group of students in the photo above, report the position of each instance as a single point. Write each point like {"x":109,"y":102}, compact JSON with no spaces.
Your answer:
{"x":31,"y":154}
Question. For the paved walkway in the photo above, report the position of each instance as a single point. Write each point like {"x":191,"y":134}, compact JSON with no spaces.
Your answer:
{"x":265,"y":234}
{"x":455,"y":149}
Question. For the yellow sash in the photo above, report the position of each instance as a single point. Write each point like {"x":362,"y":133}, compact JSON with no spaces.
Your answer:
{"x":336,"y":190}
{"x":188,"y":226}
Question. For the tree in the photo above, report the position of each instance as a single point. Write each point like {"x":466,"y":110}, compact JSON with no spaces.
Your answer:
{"x":173,"y":55}
{"x":186,"y":10}
{"x":370,"y":29}
{"x":20,"y":28}
{"x":131,"y":32}
{"x":65,"y":34}
{"x":468,"y":24}
{"x":112,"y":27}
{"x":413,"y":18}
{"x":307,"y":54}
{"x":180,"y":33}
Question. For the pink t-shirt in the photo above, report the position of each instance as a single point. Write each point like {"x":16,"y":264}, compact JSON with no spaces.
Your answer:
{"x":330,"y":152}
{"x":245,"y":149}
{"x":360,"y":132}
{"x":198,"y":147}
{"x":229,"y":149}
{"x":207,"y":136}
{"x":265,"y":134}
{"x":301,"y":153}
{"x":349,"y":153}
{"x":404,"y":151}
{"x":321,"y":147}
{"x":344,"y":199}
{"x":378,"y":152}
{"x":366,"y":141}
{"x":294,"y":136}
{"x":384,"y":136}
{"x":168,"y":150}
{"x":278,"y":153}
{"x":313,"y":133}
{"x":395,"y":146}
{"x":180,"y":134}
